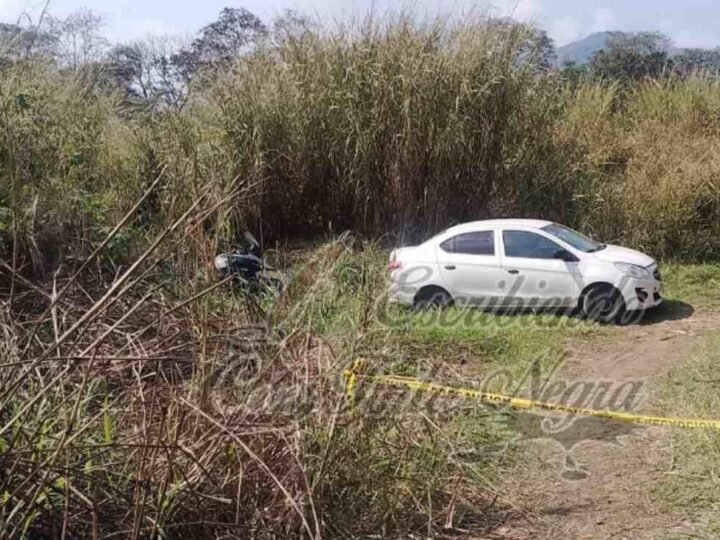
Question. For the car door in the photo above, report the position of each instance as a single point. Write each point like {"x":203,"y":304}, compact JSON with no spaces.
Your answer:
{"x":534,"y":276}
{"x":470,"y":265}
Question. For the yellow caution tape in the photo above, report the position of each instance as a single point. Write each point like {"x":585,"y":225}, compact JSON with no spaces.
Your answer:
{"x":353,"y":374}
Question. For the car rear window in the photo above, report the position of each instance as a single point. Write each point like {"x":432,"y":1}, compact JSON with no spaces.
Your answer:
{"x":474,"y":243}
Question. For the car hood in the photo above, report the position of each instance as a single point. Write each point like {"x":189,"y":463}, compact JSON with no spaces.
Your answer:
{"x":625,"y":255}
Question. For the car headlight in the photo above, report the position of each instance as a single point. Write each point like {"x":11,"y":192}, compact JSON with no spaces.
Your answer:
{"x":632,"y":270}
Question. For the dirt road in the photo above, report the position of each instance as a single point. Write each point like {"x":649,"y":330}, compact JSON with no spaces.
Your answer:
{"x":598,"y":483}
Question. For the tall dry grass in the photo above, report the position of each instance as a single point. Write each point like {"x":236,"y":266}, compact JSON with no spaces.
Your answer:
{"x":393,"y":127}
{"x":384,"y":127}
{"x":156,"y":407}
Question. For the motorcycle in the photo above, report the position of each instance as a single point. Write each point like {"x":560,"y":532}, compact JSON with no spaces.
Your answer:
{"x":247,"y":267}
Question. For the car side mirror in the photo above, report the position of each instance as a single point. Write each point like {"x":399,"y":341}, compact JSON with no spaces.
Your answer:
{"x":564,"y":255}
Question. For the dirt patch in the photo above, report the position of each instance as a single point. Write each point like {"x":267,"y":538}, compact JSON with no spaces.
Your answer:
{"x":597,"y":483}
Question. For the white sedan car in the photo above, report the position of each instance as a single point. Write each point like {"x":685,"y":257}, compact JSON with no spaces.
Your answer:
{"x":524,"y":263}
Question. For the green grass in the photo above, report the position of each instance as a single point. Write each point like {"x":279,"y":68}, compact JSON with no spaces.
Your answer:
{"x":695,"y":284}
{"x":692,"y":391}
{"x":473,"y":344}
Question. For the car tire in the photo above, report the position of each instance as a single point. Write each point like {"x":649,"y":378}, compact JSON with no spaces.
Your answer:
{"x":432,"y":298}
{"x":603,"y":304}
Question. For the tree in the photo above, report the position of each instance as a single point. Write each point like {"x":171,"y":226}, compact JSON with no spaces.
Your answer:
{"x":232,"y":35}
{"x":642,"y":42}
{"x":291,"y":27}
{"x":694,"y":60}
{"x":77,"y":39}
{"x":632,"y":56}
{"x":534,"y":48}
{"x":573,"y":72}
{"x":20,"y":42}
{"x":539,"y":49}
{"x":145,"y":70}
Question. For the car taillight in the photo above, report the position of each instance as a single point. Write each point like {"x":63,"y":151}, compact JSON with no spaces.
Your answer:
{"x":394,"y":265}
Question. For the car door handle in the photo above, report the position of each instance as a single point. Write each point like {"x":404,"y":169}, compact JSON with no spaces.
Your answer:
{"x":450,"y":267}
{"x":513,"y":272}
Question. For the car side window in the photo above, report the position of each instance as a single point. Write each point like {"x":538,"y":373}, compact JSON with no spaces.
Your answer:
{"x":528,"y":245}
{"x":474,"y":243}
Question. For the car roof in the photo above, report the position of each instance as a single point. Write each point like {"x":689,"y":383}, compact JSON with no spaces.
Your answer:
{"x":495,"y":223}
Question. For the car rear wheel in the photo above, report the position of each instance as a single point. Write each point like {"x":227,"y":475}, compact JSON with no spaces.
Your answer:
{"x":432,"y":297}
{"x":603,"y":304}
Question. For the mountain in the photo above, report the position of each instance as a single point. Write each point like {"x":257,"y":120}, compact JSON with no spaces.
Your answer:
{"x":581,"y":51}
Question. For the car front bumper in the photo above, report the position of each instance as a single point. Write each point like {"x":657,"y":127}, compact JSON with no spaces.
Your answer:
{"x":642,"y":294}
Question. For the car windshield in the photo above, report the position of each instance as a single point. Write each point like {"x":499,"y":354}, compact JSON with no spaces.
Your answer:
{"x":574,"y":238}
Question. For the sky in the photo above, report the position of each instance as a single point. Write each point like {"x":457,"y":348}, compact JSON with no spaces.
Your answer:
{"x":690,"y":23}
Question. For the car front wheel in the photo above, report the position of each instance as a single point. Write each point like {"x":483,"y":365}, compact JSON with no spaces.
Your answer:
{"x":603,"y":304}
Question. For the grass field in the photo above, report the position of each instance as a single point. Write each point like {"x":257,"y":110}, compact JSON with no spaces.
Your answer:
{"x":693,"y":480}
{"x":695,"y":284}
